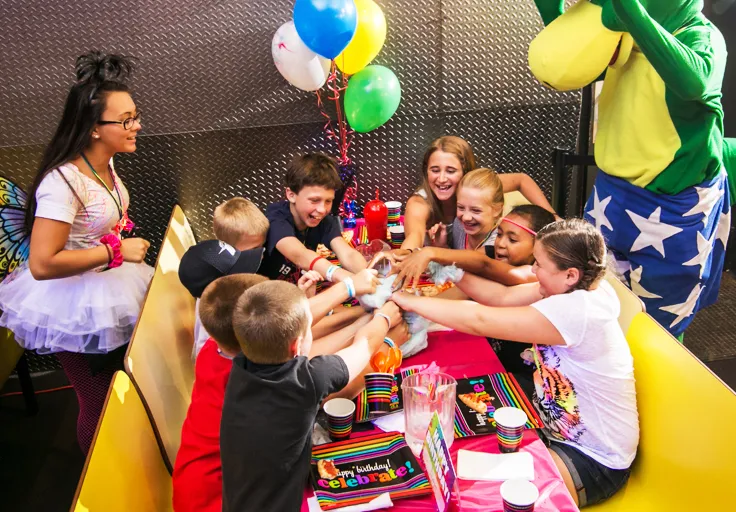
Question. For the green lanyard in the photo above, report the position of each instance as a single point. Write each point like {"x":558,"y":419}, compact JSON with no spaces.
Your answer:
{"x":118,"y":204}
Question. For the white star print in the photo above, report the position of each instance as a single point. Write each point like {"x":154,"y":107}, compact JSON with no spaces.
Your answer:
{"x":704,"y":248}
{"x":686,"y":308}
{"x":599,"y":211}
{"x":652,"y":232}
{"x":638,"y":288}
{"x":724,"y":228}
{"x":707,"y":199}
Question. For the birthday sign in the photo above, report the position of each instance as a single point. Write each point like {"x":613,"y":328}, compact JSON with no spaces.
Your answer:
{"x":439,"y":466}
{"x":357,"y":470}
{"x":479,"y":397}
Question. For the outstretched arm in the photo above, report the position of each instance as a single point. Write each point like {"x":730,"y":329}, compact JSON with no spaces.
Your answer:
{"x":686,"y":68}
{"x":523,"y":324}
{"x":518,"y":181}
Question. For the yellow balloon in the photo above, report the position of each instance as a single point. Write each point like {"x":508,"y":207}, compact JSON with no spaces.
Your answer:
{"x":368,"y":40}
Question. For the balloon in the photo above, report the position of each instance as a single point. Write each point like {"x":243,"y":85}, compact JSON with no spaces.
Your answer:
{"x":300,"y":66}
{"x":368,"y":40}
{"x":372,"y":97}
{"x":326,"y":26}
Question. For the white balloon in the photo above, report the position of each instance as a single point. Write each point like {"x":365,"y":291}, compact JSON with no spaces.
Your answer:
{"x":300,"y":66}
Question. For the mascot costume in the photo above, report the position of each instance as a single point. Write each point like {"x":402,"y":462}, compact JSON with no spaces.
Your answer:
{"x":663,"y":199}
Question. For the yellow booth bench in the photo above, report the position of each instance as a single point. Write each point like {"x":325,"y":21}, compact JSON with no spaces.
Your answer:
{"x":159,"y":356}
{"x":687,"y":417}
{"x":124,"y":470}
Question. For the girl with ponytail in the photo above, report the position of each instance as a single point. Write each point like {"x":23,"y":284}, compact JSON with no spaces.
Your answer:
{"x":80,"y":293}
{"x":584,"y":378}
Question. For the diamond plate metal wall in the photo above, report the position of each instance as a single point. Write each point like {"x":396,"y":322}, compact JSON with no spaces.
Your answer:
{"x":220,"y":120}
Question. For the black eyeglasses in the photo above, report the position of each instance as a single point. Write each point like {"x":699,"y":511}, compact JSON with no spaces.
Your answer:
{"x":127,"y":123}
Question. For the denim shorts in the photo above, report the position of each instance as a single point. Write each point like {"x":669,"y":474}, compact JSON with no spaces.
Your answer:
{"x":593,"y":481}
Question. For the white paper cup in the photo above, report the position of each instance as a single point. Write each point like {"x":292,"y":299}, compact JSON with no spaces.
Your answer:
{"x":393,"y":204}
{"x":510,"y":417}
{"x":519,"y":495}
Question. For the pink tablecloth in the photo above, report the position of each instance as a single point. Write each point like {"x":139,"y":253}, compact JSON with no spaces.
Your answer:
{"x":462,"y":355}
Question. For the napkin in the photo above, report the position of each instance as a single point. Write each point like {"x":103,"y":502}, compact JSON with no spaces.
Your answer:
{"x":381,"y":501}
{"x":391,"y":422}
{"x":490,"y":466}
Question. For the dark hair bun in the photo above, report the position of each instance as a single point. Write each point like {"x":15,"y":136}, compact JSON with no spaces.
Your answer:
{"x":98,"y":67}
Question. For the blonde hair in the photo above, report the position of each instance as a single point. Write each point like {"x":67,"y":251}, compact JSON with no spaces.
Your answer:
{"x":218,"y":303}
{"x":236,"y":218}
{"x":447,"y":144}
{"x":486,"y":180}
{"x":268,"y":318}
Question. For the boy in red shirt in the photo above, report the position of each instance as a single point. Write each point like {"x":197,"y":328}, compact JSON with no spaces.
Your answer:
{"x":198,"y":471}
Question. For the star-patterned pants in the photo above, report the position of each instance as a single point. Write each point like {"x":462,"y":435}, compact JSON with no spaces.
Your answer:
{"x":669,"y":249}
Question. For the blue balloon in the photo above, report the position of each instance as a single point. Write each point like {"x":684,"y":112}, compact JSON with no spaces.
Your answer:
{"x":326,"y":26}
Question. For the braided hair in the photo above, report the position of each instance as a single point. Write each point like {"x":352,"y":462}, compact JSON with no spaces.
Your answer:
{"x":575,"y":243}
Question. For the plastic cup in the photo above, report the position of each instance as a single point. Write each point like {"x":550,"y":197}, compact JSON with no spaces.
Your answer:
{"x":340,"y":412}
{"x":519,"y":495}
{"x":510,"y":423}
{"x":423,"y":395}
{"x":378,"y":392}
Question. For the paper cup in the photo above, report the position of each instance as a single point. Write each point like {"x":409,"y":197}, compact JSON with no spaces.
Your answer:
{"x":340,"y":412}
{"x":394,"y":211}
{"x":510,"y":423}
{"x":396,"y":234}
{"x":378,"y":392}
{"x":519,"y":495}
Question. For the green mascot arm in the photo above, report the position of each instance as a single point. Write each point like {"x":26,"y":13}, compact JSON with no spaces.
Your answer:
{"x":729,"y":160}
{"x":686,"y":71}
{"x":550,"y":10}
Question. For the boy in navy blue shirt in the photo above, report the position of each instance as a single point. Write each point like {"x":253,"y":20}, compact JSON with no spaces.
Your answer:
{"x":302,"y":222}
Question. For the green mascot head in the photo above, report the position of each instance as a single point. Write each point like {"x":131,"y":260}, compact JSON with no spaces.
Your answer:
{"x":577,"y":47}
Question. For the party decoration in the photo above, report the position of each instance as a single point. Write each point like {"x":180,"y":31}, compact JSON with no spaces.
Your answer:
{"x":368,"y":41}
{"x":376,"y":219}
{"x":299,"y":65}
{"x":372,"y":98}
{"x":326,"y":26}
{"x":14,"y":239}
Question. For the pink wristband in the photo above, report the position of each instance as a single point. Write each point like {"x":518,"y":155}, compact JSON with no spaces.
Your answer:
{"x":113,"y":243}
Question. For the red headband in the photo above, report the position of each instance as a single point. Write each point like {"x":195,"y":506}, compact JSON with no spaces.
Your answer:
{"x":506,"y":219}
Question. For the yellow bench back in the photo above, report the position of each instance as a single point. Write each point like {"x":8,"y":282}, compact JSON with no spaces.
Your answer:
{"x":124,"y":470}
{"x":687,"y":418}
{"x":631,"y":304}
{"x":159,"y":356}
{"x":10,"y":353}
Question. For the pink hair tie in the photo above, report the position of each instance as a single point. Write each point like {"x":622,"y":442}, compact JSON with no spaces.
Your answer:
{"x":506,"y":219}
{"x":113,"y":242}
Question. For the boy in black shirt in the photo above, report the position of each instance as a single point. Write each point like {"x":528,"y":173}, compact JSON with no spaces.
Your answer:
{"x":302,"y":222}
{"x":274,"y":393}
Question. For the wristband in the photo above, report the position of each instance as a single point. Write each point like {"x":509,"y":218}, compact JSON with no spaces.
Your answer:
{"x":113,"y":243}
{"x":330,"y":271}
{"x":384,"y":316}
{"x":315,"y":260}
{"x":388,"y":341}
{"x":348,"y":282}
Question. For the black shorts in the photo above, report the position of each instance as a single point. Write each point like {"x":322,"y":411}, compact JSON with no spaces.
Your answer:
{"x":593,"y":481}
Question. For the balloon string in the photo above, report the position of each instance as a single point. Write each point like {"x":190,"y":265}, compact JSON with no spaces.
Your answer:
{"x":343,"y":137}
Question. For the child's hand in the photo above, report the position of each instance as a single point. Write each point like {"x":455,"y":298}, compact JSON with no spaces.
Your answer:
{"x":308,"y":283}
{"x":411,"y":269}
{"x":365,"y":281}
{"x":399,"y":333}
{"x":404,"y":300}
{"x":438,"y":235}
{"x":392,"y":311}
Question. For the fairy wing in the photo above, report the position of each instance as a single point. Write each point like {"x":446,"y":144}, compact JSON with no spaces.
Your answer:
{"x":14,"y":241}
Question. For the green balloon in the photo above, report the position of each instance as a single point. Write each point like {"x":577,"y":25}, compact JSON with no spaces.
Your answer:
{"x":372,"y":97}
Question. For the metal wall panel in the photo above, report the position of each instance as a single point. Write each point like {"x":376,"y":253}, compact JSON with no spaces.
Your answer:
{"x":220,"y":121}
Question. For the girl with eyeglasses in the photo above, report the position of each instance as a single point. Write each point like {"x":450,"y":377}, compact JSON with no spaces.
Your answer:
{"x":80,"y":293}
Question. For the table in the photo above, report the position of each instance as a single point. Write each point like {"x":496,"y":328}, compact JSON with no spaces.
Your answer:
{"x":463,"y":355}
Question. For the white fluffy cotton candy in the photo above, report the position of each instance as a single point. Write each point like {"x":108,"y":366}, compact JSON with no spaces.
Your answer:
{"x":417,"y":324}
{"x":442,"y":274}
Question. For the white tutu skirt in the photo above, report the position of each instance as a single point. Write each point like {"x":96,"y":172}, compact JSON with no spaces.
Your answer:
{"x":93,"y":313}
